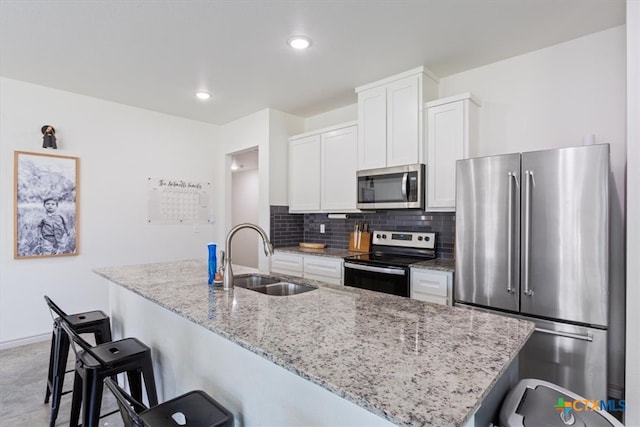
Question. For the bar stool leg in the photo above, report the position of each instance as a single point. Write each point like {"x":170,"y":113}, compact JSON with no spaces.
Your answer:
{"x":60,"y":362}
{"x":76,"y":401}
{"x":52,"y":353}
{"x":92,"y":399}
{"x":150,"y":382}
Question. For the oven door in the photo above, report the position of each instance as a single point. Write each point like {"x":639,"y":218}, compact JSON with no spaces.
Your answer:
{"x":390,"y":280}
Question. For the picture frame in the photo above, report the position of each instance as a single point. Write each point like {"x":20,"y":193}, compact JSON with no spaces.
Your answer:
{"x":46,"y":205}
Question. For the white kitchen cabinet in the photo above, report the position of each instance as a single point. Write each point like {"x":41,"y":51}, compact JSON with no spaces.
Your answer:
{"x":287,"y":263}
{"x":325,"y":269}
{"x":451,"y":127}
{"x":390,"y":119}
{"x":338,"y":163}
{"x":304,"y":174}
{"x":432,"y":286}
{"x":322,"y":170}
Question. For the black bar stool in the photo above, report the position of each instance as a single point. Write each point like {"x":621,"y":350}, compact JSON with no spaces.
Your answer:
{"x":90,"y":322}
{"x":95,"y":363}
{"x":193,"y":409}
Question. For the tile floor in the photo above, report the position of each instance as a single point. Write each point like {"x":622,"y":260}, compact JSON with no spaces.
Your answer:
{"x":23,"y":380}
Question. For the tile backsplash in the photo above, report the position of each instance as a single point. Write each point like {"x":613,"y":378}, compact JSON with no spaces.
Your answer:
{"x":290,"y":229}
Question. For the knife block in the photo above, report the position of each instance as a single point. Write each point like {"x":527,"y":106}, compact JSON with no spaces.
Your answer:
{"x":362,"y":245}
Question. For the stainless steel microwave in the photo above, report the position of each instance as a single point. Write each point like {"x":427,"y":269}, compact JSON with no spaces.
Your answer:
{"x":399,"y":187}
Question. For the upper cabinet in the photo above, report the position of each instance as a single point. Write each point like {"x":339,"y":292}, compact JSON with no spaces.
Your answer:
{"x":452,"y":126}
{"x":322,"y":170}
{"x":390,"y":119}
{"x":304,"y":174}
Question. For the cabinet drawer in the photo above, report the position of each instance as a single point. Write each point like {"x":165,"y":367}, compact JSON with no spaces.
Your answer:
{"x":287,"y":264}
{"x":322,"y":266}
{"x":431,"y":285}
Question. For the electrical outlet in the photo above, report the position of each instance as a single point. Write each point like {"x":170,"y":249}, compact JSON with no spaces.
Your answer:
{"x":322,"y":228}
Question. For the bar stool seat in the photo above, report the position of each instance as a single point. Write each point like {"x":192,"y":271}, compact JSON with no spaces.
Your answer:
{"x":95,"y":363}
{"x":193,"y":409}
{"x":94,"y":322}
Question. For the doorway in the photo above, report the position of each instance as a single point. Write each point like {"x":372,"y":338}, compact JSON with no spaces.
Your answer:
{"x":244,"y":206}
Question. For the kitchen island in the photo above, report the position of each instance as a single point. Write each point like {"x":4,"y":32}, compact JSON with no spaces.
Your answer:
{"x":332,"y":356}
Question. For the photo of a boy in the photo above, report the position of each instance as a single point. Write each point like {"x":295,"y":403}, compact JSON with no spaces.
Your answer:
{"x":53,"y":229}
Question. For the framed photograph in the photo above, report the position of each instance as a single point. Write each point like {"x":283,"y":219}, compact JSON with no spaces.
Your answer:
{"x":46,"y":205}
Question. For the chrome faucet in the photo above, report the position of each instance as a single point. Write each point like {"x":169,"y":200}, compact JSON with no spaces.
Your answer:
{"x":227,"y":274}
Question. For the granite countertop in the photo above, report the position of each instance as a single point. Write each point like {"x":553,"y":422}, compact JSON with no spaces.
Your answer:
{"x":434,"y":264}
{"x":437,"y":264}
{"x":413,"y":363}
{"x":328,"y":252}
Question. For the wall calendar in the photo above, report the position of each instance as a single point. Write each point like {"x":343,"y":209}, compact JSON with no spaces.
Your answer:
{"x":177,"y":201}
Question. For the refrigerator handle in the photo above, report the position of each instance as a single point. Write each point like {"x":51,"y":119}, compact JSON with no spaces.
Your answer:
{"x":526,"y":268}
{"x":510,"y":232}
{"x":587,"y":337}
{"x":405,"y":193}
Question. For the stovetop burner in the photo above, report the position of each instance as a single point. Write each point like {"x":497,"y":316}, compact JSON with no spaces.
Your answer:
{"x":379,"y":258}
{"x":398,"y":248}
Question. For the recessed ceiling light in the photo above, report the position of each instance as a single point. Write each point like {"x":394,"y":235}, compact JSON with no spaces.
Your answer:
{"x":299,"y":42}
{"x":203,"y":95}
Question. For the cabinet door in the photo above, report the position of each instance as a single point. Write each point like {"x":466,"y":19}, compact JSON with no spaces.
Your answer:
{"x":446,"y":143}
{"x":431,"y":286}
{"x":323,"y":268}
{"x":339,"y":153}
{"x":304,"y":174}
{"x":403,"y":121}
{"x":372,"y":128}
{"x":286,"y":263}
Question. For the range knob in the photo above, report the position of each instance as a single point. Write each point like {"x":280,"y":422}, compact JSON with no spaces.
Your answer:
{"x":427,"y":238}
{"x":378,"y":236}
{"x":420,"y":238}
{"x":384,"y":236}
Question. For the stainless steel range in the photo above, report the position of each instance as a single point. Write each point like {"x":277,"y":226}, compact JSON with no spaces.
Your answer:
{"x":386,"y":267}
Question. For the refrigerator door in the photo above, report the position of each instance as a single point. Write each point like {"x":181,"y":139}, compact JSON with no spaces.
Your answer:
{"x":565,"y":240}
{"x":487,"y":231}
{"x":573,"y":357}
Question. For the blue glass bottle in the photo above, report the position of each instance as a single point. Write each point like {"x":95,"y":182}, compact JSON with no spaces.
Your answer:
{"x":213,"y":267}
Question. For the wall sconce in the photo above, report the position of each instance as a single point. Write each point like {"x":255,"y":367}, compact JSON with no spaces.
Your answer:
{"x":48,"y":137}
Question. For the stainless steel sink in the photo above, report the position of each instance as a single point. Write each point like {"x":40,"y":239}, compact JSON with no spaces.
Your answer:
{"x":270,"y":285}
{"x":253,"y":280}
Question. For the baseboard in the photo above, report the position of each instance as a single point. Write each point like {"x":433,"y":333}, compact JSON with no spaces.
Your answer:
{"x":24,"y":341}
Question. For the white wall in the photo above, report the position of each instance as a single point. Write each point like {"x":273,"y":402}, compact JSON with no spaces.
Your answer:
{"x":552,"y":98}
{"x":245,"y":209}
{"x":632,"y":415}
{"x":340,"y":115}
{"x":119,"y":147}
{"x":269,"y":131}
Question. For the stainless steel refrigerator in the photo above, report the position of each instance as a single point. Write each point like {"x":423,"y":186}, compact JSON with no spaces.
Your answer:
{"x":532,"y":241}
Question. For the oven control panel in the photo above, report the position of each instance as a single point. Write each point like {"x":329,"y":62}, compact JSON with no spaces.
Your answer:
{"x":407,"y":239}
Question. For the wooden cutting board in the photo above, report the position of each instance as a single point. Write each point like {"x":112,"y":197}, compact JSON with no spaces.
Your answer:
{"x":312,"y":245}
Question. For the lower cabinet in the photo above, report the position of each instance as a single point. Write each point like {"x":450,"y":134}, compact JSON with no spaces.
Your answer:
{"x":325,"y":269}
{"x":287,"y":263}
{"x":433,"y":286}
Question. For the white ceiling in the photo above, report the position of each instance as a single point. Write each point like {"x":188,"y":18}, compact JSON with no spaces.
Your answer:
{"x":155,"y":54}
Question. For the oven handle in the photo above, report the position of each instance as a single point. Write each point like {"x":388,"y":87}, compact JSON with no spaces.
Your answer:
{"x":395,"y":271}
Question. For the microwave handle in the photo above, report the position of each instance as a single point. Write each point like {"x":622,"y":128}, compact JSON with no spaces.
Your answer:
{"x":405,"y":181}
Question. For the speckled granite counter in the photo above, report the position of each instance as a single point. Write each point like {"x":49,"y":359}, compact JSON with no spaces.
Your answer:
{"x":412,"y":363}
{"x":437,"y":264}
{"x":328,"y":252}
